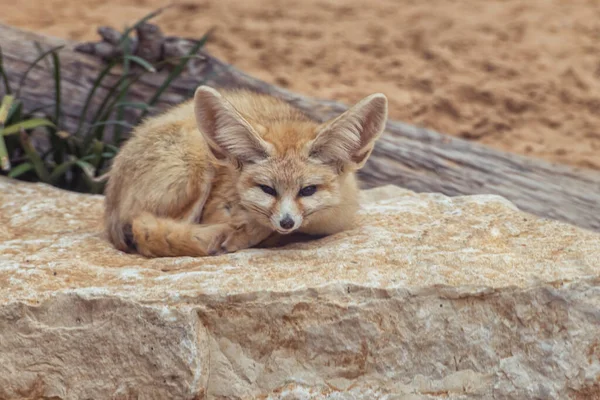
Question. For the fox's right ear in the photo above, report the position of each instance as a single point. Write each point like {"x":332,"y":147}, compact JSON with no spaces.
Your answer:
{"x":348,"y":140}
{"x":227,"y":133}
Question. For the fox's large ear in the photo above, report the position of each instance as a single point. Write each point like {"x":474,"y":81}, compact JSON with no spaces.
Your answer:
{"x":348,"y":140}
{"x":228,"y":134}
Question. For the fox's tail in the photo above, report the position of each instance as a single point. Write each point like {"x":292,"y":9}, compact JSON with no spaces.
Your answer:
{"x":154,"y":236}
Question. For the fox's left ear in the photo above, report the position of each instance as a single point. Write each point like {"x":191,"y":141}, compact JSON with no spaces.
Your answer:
{"x":227,"y":132}
{"x":348,"y":140}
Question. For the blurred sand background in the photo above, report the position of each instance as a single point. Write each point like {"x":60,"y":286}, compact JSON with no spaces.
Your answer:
{"x":522,"y":76}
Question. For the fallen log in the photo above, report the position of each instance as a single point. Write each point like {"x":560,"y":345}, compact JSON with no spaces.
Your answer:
{"x":407,"y":156}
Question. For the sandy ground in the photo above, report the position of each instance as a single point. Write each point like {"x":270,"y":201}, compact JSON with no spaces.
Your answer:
{"x":522,"y":76}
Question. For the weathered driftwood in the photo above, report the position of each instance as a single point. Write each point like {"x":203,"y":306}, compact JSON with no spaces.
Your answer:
{"x":407,"y":156}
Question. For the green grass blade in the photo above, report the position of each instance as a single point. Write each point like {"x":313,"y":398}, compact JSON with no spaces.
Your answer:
{"x":60,"y":170}
{"x":16,"y":113}
{"x":34,"y":158}
{"x":140,"y":61}
{"x":32,"y":65}
{"x":112,"y":122}
{"x":96,"y":85}
{"x":123,"y":94}
{"x":5,"y":107}
{"x":40,"y":50}
{"x":20,"y":170}
{"x":98,"y":157}
{"x":3,"y":74}
{"x":177,"y":70}
{"x":92,"y":157}
{"x":97,"y":153}
{"x":101,"y":114}
{"x":171,"y":60}
{"x":108,"y":96}
{"x":37,"y":109}
{"x":114,"y":149}
{"x":89,"y":172}
{"x":4,"y":160}
{"x":57,"y":142}
{"x":126,"y":104}
{"x":107,"y":108}
{"x":90,"y":95}
{"x":57,"y":89}
{"x":28,"y":124}
{"x":87,"y":168}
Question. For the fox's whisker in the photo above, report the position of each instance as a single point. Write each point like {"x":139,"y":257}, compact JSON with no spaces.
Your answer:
{"x":324,"y":208}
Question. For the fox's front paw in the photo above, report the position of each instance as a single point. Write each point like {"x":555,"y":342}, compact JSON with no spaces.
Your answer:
{"x":210,"y":238}
{"x":244,"y":237}
{"x":236,"y":240}
{"x":215,"y":247}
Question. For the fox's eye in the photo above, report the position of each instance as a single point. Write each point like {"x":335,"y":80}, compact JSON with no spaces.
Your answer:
{"x":268,"y":190}
{"x":308,"y":191}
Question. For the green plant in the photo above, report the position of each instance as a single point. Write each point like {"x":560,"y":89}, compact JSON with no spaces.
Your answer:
{"x":12,"y":122}
{"x":76,"y":160}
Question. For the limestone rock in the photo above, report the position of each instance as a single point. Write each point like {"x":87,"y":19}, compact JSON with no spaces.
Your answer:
{"x":429,"y":297}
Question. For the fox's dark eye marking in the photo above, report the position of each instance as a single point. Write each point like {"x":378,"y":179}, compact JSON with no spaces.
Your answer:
{"x":308,"y":191}
{"x":268,"y":190}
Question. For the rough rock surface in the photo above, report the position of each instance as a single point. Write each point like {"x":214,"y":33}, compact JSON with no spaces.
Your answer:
{"x":429,"y":297}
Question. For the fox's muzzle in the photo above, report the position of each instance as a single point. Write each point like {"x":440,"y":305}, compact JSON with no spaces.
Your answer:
{"x":288,"y":218}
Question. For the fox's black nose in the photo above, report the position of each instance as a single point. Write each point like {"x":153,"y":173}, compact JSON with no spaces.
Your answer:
{"x":286,"y":222}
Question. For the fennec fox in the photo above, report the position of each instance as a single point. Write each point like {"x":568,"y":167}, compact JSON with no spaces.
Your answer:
{"x":224,"y":171}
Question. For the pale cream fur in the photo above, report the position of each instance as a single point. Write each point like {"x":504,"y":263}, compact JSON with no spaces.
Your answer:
{"x":187,"y":183}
